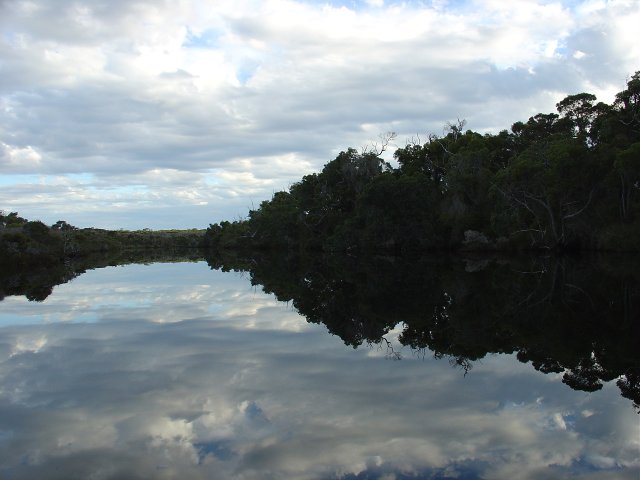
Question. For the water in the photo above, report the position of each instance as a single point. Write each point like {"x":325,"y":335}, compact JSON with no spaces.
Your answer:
{"x":179,"y":371}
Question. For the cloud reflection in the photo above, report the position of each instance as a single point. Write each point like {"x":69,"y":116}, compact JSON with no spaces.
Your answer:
{"x":186,"y":373}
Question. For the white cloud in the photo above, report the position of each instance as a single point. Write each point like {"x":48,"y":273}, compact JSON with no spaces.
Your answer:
{"x":117,"y":89}
{"x":19,"y":158}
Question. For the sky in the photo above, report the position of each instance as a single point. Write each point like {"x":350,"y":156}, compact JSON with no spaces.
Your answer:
{"x":177,"y":114}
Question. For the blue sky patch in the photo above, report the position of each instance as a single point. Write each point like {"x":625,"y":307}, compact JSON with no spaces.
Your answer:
{"x":207,"y":39}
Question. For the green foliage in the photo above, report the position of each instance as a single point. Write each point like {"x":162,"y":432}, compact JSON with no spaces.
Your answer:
{"x":226,"y":235}
{"x":395,"y":212}
{"x":24,"y":242}
{"x":36,"y":230}
{"x":580,"y":112}
{"x":627,"y":168}
{"x":63,"y":226}
{"x":627,"y":110}
{"x":28,"y":242}
{"x":276,"y":222}
{"x":539,"y":129}
{"x":11,"y":220}
{"x":548,"y":189}
{"x":564,"y":180}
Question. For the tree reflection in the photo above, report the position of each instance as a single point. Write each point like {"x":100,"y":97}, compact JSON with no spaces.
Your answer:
{"x":573,"y":316}
{"x":36,"y":282}
{"x":578,"y":317}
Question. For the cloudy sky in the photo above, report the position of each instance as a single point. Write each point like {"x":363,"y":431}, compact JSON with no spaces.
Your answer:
{"x":176,"y":114}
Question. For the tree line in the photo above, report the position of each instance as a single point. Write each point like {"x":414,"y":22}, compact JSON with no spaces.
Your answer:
{"x":33,"y":243}
{"x":559,"y":181}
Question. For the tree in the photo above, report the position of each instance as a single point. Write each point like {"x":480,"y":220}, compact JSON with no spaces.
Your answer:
{"x":548,"y":188}
{"x":580,"y":111}
{"x":539,"y":128}
{"x":627,"y":168}
{"x":276,"y":222}
{"x":63,"y":226}
{"x":628,"y":102}
{"x":11,"y":220}
{"x":396,"y":212}
{"x":561,"y":180}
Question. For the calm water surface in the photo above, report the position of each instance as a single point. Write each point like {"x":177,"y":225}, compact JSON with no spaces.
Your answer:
{"x":178,"y":371}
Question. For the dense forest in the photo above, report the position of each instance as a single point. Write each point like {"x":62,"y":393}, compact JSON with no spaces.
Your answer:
{"x":559,"y":181}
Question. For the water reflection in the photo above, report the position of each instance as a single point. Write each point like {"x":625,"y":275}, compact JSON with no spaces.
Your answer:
{"x":575,"y":316}
{"x":176,"y":371}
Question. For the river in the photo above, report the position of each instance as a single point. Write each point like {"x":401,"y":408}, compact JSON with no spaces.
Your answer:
{"x":181,"y":370}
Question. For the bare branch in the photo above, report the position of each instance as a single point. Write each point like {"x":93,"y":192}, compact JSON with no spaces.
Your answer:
{"x":582,"y":209}
{"x":379,"y":149}
{"x":456,"y":129}
{"x":413,"y":141}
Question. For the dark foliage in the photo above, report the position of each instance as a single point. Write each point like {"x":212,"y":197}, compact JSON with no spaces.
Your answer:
{"x":37,"y":281}
{"x":559,"y":181}
{"x":32,"y":243}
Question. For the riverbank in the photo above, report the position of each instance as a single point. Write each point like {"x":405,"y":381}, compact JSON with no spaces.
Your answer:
{"x":24,"y":242}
